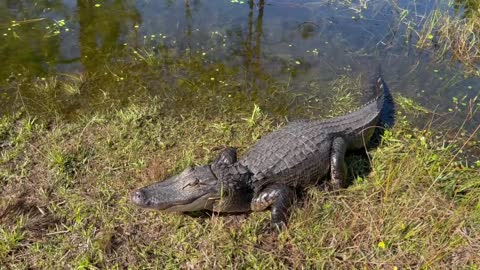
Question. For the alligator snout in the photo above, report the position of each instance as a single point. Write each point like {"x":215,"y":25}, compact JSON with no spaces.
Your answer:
{"x":138,"y":197}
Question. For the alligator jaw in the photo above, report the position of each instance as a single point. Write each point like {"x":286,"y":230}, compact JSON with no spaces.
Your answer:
{"x":187,"y":205}
{"x":192,"y":190}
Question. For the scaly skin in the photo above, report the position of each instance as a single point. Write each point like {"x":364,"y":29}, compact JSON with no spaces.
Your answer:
{"x":297,"y":155}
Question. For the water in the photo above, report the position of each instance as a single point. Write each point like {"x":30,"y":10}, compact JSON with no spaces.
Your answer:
{"x":294,"y":42}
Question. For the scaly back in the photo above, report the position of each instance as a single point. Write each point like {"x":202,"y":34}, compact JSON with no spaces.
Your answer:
{"x":362,"y":118}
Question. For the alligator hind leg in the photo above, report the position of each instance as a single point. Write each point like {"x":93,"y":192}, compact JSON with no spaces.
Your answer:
{"x":279,"y":197}
{"x":338,"y":169}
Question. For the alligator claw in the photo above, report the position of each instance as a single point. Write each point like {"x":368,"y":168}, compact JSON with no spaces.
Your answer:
{"x":279,"y":226}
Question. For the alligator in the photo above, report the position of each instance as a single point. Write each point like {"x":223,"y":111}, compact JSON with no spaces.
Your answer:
{"x":298,"y":155}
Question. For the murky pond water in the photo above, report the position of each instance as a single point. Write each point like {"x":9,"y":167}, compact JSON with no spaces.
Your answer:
{"x":296,"y":43}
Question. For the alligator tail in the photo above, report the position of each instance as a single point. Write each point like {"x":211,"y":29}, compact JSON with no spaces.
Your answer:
{"x":387,"y":114}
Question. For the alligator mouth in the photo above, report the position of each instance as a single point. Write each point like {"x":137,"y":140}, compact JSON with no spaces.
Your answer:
{"x":201,"y":201}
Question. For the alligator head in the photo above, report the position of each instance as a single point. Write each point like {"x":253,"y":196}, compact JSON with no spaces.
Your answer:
{"x":219,"y":186}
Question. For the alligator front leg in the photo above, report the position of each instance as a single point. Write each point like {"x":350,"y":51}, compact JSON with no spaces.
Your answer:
{"x":279,"y":197}
{"x":338,"y":167}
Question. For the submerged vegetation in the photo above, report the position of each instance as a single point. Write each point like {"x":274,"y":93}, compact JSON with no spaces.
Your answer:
{"x":451,"y":30}
{"x":454,"y":35}
{"x":74,"y":145}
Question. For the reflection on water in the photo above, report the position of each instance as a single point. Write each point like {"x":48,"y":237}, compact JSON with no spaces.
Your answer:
{"x":296,"y":42}
{"x":49,"y":36}
{"x":25,"y":42}
{"x":102,"y":29}
{"x":253,"y":42}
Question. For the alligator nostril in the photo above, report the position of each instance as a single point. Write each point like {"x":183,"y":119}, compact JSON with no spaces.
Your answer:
{"x":138,"y":197}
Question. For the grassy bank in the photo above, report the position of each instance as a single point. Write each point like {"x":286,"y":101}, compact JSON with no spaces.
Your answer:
{"x":65,"y":186}
{"x":74,"y":146}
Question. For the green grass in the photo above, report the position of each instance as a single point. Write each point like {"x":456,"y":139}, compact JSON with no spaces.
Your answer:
{"x":65,"y":189}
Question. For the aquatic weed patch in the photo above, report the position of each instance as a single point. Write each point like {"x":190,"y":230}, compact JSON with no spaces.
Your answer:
{"x":448,"y":29}
{"x":453,"y":36}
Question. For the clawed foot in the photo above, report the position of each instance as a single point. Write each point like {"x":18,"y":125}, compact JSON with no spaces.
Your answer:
{"x":274,"y":228}
{"x":278,"y":226}
{"x":330,"y":188}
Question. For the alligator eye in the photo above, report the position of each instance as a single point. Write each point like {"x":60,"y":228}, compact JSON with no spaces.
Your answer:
{"x":195,"y":182}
